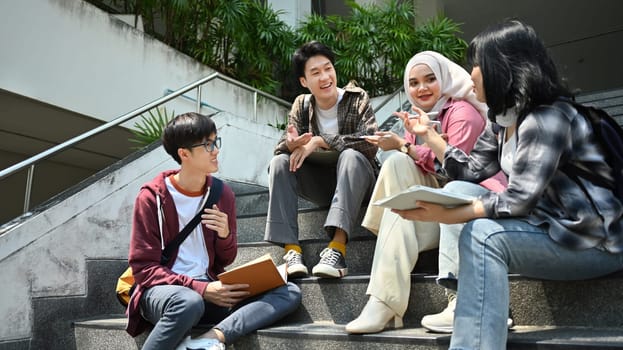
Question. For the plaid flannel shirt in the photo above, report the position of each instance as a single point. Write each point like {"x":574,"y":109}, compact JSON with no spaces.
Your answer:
{"x":578,"y":214}
{"x":355,"y":118}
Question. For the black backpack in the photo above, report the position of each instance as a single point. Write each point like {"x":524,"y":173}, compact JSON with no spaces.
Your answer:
{"x":609,"y":136}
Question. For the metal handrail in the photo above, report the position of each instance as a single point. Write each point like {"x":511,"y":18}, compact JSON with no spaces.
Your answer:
{"x":30,"y":162}
{"x":389,"y":98}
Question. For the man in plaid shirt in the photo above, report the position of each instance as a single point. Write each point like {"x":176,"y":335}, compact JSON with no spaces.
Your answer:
{"x":322,"y":158}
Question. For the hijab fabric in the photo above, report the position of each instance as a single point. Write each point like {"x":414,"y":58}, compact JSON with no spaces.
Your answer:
{"x":454,"y":81}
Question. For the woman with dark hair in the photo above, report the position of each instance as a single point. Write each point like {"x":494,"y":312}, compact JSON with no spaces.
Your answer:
{"x":546,"y":224}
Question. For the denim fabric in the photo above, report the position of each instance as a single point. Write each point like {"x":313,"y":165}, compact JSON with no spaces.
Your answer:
{"x":449,"y":238}
{"x":174,"y":310}
{"x":489,"y":250}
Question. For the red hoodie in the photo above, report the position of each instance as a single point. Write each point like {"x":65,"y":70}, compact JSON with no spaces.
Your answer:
{"x":147,"y":242}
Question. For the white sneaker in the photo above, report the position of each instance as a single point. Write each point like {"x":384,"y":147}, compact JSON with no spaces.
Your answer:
{"x":442,"y":322}
{"x":200,"y":344}
{"x":331,"y":265}
{"x":295,"y":265}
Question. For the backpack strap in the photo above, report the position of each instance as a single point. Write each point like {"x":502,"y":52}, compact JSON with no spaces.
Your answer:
{"x":213,"y":197}
{"x":305,"y":114}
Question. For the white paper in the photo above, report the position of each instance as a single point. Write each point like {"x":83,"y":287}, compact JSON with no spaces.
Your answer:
{"x":407,"y":198}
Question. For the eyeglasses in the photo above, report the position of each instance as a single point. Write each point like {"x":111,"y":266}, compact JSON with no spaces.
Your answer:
{"x":209,"y":145}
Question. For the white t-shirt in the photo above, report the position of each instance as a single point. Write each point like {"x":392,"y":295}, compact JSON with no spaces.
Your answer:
{"x":327,"y":118}
{"x":508,"y":153}
{"x":192,"y":258}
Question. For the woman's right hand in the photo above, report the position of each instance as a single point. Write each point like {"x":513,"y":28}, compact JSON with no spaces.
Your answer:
{"x":226,"y":295}
{"x":415,"y":125}
{"x":385,"y":140}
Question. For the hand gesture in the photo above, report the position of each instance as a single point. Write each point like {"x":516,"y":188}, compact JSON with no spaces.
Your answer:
{"x":298,"y":156}
{"x":294,"y":140}
{"x":216,"y":220}
{"x":415,"y":124}
{"x":385,"y":140}
{"x":226,"y":295}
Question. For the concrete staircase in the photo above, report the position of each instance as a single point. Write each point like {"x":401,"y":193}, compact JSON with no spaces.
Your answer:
{"x":548,"y":315}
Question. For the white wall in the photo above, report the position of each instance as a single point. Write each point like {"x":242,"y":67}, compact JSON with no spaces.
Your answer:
{"x":46,"y":255}
{"x":73,"y":55}
{"x":293,"y":10}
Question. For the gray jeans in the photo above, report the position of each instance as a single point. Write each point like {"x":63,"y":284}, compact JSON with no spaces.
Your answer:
{"x":174,"y":310}
{"x":344,"y":187}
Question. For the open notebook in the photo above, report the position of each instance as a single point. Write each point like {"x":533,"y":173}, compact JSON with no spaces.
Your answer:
{"x":407,"y":198}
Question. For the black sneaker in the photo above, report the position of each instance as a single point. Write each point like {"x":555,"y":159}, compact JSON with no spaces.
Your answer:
{"x":295,"y":266}
{"x":331,"y":265}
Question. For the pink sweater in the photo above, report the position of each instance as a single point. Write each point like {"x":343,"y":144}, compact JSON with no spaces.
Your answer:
{"x":462,"y":123}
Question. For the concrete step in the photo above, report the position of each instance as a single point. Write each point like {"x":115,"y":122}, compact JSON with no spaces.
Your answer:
{"x":538,"y":305}
{"x":329,"y":336}
{"x":611,"y":101}
{"x":311,"y":221}
{"x":256,"y":203}
{"x":359,"y":253}
{"x":532,"y":302}
{"x":599,"y":95}
{"x":109,"y":333}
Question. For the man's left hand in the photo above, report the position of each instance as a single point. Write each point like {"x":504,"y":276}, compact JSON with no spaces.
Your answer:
{"x":216,"y":220}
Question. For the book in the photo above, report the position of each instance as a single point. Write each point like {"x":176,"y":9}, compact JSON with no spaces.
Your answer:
{"x":407,"y":198}
{"x":260,"y":274}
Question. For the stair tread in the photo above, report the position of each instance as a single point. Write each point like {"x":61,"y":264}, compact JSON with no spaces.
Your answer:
{"x":519,"y":334}
{"x":543,"y":335}
{"x":596,"y":337}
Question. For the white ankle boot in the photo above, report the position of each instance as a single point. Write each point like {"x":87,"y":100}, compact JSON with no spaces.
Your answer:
{"x":375,"y":317}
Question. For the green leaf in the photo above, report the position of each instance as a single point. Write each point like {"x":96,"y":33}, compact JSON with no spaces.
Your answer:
{"x":149,"y":128}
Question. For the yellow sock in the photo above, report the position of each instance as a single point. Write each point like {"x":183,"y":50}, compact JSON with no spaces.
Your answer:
{"x":340,"y":247}
{"x":295,"y":247}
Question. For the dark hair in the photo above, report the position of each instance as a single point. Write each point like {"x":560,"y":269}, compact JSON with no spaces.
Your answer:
{"x":517,"y":70}
{"x":307,"y":51}
{"x":186,"y":130}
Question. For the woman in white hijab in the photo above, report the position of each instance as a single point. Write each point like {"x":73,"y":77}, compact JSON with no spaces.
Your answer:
{"x":443,"y":90}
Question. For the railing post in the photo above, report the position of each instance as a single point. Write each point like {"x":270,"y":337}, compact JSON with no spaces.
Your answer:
{"x":199,"y":98}
{"x":255,"y":106}
{"x":31,"y":171}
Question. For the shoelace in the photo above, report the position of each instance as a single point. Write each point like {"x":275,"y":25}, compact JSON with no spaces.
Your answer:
{"x":329,"y":256}
{"x":293,"y":258}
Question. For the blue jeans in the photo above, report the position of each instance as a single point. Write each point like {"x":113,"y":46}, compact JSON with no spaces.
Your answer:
{"x":489,"y":250}
{"x":449,"y":238}
{"x":174,"y":310}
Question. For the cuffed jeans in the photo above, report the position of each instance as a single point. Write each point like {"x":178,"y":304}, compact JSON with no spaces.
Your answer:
{"x":489,"y":250}
{"x":344,"y":187}
{"x":449,"y":238}
{"x":174,"y":310}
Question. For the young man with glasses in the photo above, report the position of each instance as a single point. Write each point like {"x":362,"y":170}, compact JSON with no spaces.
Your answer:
{"x":329,"y":119}
{"x":186,"y":291}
